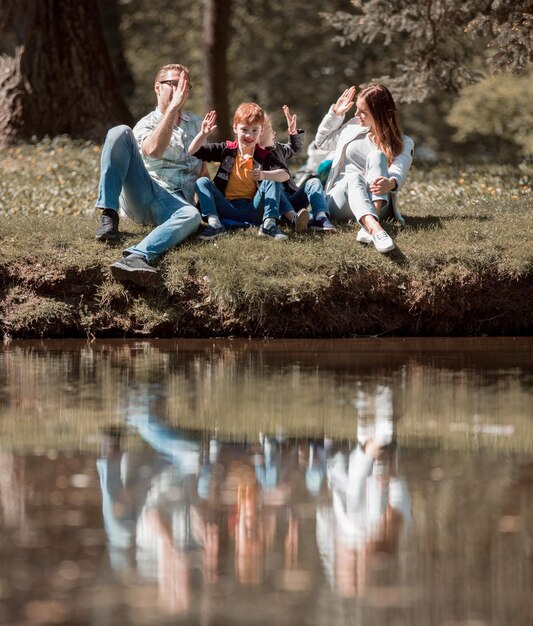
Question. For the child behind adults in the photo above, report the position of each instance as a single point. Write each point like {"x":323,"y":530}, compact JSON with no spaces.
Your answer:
{"x":294,"y":199}
{"x":247,"y":186}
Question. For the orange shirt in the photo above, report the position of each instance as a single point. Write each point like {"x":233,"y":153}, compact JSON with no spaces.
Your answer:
{"x":240,"y":182}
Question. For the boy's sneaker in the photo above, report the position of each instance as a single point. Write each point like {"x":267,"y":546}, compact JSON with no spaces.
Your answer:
{"x":322,"y":225}
{"x":212,"y":232}
{"x":301,"y":220}
{"x":383,"y":242}
{"x":363,"y":236}
{"x":108,"y":227}
{"x":135,"y":269}
{"x":272,"y":231}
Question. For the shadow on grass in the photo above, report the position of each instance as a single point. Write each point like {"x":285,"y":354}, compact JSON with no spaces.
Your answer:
{"x":468,"y":218}
{"x":428,"y":222}
{"x":398,"y":257}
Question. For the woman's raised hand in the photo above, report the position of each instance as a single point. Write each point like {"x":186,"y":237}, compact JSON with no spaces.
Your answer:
{"x":209,"y":123}
{"x":345,"y":102}
{"x":291,"y":120}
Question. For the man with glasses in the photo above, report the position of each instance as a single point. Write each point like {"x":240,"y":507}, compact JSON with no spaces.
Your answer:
{"x":151,"y":175}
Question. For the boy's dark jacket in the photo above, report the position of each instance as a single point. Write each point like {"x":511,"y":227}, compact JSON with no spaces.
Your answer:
{"x":284,"y":152}
{"x":265,"y":159}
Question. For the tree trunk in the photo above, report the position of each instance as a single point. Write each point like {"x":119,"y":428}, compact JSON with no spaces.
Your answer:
{"x":217,"y":15}
{"x":56,"y":75}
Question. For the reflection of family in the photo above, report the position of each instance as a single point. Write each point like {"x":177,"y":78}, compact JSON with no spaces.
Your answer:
{"x":183,"y":499}
{"x":370,"y":504}
{"x":154,"y":171}
{"x":186,"y":501}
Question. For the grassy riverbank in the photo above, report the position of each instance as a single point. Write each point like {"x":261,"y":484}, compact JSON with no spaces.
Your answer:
{"x":463,"y":264}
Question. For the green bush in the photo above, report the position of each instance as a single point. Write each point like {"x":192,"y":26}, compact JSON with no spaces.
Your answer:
{"x":499,"y":108}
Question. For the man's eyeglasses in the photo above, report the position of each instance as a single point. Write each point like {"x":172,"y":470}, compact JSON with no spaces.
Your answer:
{"x":173,"y":83}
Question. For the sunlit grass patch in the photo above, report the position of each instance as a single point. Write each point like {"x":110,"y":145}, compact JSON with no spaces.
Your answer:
{"x":465,"y":249}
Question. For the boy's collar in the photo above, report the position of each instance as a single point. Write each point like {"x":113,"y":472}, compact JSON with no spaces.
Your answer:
{"x":261,"y":152}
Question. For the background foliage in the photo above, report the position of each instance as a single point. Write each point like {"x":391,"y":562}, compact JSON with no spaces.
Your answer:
{"x":288,"y":52}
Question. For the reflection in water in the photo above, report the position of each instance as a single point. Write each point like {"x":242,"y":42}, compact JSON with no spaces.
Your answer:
{"x":186,"y":491}
{"x":370,"y":502}
{"x":343,"y":504}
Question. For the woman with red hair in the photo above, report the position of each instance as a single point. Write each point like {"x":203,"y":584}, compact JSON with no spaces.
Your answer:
{"x":371,"y":161}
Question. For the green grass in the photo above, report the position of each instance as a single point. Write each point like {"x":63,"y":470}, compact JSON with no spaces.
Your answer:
{"x":463,"y":263}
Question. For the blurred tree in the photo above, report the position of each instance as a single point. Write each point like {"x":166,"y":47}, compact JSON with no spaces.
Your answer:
{"x":430,"y":43}
{"x":278,"y":51}
{"x":166,"y":31}
{"x":216,"y":20}
{"x":111,"y":15}
{"x":282,"y":52}
{"x":498,"y":112}
{"x":55,"y":71}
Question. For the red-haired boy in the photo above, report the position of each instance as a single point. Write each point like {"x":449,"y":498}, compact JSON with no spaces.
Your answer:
{"x":248,"y":184}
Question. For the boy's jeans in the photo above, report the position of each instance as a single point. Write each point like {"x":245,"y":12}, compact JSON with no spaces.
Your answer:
{"x":311,"y":192}
{"x":123,"y":175}
{"x":351,"y":196}
{"x":264,"y":205}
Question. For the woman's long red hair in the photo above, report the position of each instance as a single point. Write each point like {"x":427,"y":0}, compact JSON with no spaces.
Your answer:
{"x":387,"y":126}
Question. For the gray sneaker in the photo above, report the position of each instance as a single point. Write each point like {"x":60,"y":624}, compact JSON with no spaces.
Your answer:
{"x":108,"y":227}
{"x":134,"y":268}
{"x":272,"y":231}
{"x":212,"y":232}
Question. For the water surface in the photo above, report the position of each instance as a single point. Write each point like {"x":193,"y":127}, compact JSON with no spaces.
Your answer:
{"x":236,"y":482}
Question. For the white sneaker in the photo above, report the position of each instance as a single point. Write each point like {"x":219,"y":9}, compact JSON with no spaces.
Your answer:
{"x":363,"y":236}
{"x":383,"y":242}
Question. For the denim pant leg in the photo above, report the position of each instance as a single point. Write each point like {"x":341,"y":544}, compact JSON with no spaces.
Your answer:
{"x":285,"y":204}
{"x":212,"y":200}
{"x":123,"y":171}
{"x":175,"y":219}
{"x":314,"y":191}
{"x":350,"y":198}
{"x":268,"y":197}
{"x":376,"y":166}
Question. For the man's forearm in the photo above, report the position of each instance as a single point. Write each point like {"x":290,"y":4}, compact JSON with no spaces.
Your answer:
{"x":157,"y":141}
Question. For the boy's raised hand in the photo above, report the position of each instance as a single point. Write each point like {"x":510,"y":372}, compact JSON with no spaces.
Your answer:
{"x":209,"y":123}
{"x":345,"y":102}
{"x":291,"y":120}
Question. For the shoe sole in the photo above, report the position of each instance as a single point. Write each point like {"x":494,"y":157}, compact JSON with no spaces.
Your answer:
{"x":260,"y":234}
{"x":106,"y":236}
{"x":143,"y":278}
{"x":315,"y":229}
{"x":302,"y":220}
{"x":203,"y":238}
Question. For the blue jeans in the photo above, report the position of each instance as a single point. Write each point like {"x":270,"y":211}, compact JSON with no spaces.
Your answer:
{"x":265,"y":203}
{"x":311,"y":192}
{"x":351,"y":196}
{"x":124,"y":176}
